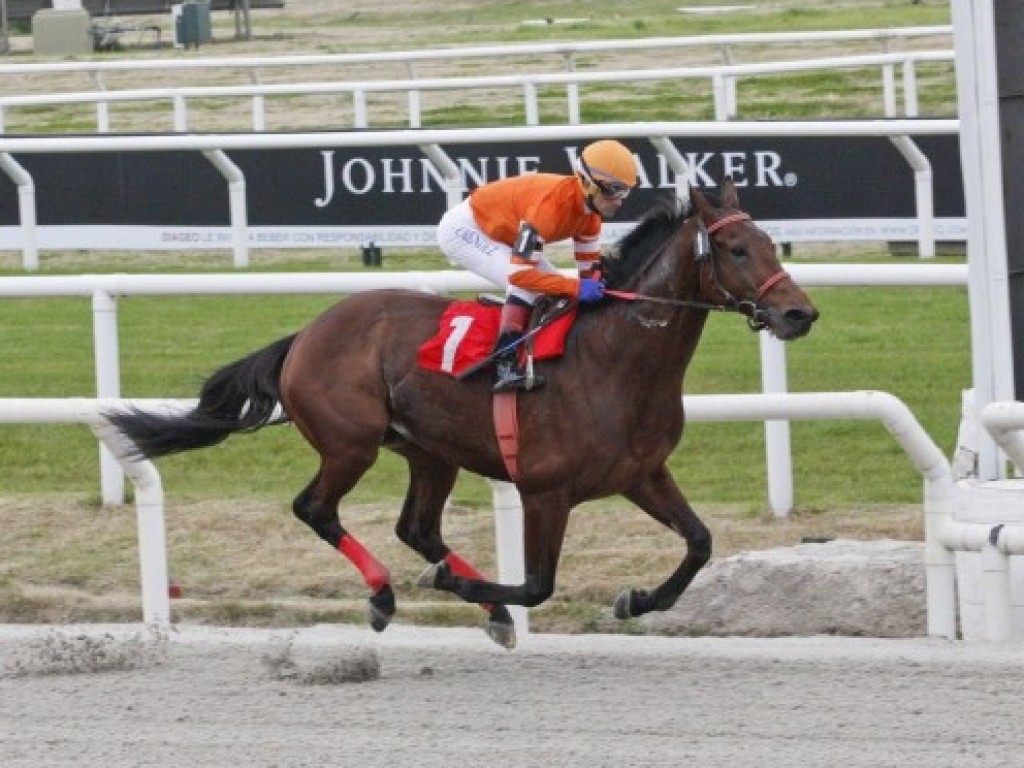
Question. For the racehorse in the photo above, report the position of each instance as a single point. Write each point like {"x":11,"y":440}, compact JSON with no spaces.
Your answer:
{"x":604,"y":424}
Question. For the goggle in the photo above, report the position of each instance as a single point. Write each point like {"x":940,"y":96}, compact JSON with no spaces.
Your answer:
{"x":613,"y":190}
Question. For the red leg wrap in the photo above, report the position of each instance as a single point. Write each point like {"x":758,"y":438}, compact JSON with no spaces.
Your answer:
{"x":461,"y":568}
{"x":374,"y":574}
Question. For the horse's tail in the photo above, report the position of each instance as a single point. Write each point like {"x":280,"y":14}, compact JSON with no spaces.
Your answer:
{"x":240,"y":397}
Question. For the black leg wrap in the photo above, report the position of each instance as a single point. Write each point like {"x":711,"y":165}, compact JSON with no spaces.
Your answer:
{"x":444,"y":578}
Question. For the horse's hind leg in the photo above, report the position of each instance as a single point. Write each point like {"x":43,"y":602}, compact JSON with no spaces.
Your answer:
{"x":545,"y":516}
{"x":419,"y":526}
{"x":317,"y":506}
{"x":660,"y":497}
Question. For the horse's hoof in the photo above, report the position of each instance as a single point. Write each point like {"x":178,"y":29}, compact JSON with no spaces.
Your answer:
{"x":381,"y":608}
{"x":378,"y":619}
{"x":622,"y":605}
{"x":501,"y":633}
{"x":431,"y":576}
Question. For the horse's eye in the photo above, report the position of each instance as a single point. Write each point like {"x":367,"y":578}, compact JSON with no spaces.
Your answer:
{"x":738,"y":252}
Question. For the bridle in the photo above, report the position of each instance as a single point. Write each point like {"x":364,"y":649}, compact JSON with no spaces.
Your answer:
{"x":703,"y":254}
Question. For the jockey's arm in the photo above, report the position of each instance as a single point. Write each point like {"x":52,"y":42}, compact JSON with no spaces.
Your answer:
{"x":525,"y":272}
{"x":587,"y":252}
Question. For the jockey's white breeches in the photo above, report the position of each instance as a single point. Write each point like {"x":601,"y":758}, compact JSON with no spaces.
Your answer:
{"x":467,"y":246}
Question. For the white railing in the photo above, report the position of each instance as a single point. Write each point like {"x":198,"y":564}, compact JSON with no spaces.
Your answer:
{"x":567,"y":51}
{"x":149,"y":495}
{"x":104,"y":290}
{"x":723,"y":79}
{"x":943,"y":535}
{"x":430,"y":142}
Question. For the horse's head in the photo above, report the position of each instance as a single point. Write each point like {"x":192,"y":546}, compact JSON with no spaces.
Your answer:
{"x":714,"y":259}
{"x":735,"y":267}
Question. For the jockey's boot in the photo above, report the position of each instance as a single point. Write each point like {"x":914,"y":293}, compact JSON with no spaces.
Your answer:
{"x":515,"y":314}
{"x":507,"y":374}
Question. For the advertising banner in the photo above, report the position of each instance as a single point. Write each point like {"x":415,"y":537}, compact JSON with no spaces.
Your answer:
{"x":798,"y":188}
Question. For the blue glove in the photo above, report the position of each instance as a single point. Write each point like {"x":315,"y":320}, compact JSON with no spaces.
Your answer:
{"x":591,"y":290}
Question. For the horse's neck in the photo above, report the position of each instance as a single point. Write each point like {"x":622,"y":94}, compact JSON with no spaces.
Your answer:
{"x":642,"y":335}
{"x":668,"y":334}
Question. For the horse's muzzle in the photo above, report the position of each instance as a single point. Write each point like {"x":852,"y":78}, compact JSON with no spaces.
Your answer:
{"x":792,"y":323}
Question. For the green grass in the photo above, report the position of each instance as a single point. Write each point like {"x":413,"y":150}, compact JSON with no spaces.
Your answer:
{"x":815,"y":95}
{"x":910,"y":342}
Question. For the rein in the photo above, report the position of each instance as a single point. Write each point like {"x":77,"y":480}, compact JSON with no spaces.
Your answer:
{"x":630,"y":296}
{"x":705,"y":254}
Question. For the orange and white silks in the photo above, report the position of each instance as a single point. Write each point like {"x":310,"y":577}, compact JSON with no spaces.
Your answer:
{"x":554,"y":206}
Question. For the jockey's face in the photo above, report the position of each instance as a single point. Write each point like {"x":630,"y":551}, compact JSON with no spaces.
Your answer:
{"x":604,"y":205}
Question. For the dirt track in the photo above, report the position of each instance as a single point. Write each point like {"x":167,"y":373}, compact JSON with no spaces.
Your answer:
{"x":338,"y":696}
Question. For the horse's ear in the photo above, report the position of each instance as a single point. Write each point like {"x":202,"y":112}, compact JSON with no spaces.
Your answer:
{"x":729,"y":197}
{"x":698,"y":202}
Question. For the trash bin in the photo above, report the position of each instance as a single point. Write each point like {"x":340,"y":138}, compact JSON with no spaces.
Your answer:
{"x":192,"y":24}
{"x":372,"y":255}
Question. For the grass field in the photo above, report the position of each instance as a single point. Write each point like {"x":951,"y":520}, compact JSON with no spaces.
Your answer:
{"x":232,"y":542}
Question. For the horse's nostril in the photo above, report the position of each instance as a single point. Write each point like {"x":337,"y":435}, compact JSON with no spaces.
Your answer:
{"x":802,"y":315}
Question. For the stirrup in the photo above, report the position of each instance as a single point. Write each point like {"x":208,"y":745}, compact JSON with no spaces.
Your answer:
{"x":509,"y":377}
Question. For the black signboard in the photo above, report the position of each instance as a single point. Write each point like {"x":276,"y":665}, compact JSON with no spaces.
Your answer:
{"x":779,"y":178}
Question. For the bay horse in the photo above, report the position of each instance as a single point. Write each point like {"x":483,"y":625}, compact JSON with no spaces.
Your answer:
{"x":604,"y":424}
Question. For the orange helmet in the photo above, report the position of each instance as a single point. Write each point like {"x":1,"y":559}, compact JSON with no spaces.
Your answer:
{"x":610,"y":167}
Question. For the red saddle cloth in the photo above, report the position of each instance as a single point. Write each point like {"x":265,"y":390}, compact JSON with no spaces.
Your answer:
{"x":467,"y":332}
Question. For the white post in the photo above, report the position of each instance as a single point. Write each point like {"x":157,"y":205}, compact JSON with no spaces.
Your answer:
{"x":889,"y":90}
{"x":108,"y":385}
{"x":910,"y":102}
{"x":939,"y":563}
{"x":778,"y":451}
{"x":530,"y":103}
{"x":26,"y":210}
{"x":149,"y":515}
{"x":102,"y":108}
{"x":359,"y":106}
{"x":508,"y":535}
{"x":152,"y":537}
{"x":449,"y":171}
{"x":676,"y":162}
{"x":413,"y":99}
{"x":721,"y":98}
{"x":995,"y":582}
{"x":980,"y":150}
{"x":180,"y":114}
{"x":259,"y":112}
{"x":923,"y":200}
{"x":236,"y":203}
{"x":572,"y":92}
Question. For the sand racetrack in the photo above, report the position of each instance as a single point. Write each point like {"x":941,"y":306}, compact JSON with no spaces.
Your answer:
{"x":339,"y":696}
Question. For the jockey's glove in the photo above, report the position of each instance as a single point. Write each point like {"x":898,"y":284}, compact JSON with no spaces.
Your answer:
{"x":591,"y":290}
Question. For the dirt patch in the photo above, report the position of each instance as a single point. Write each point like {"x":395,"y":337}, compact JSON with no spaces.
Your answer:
{"x":62,"y":652}
{"x":248,"y":561}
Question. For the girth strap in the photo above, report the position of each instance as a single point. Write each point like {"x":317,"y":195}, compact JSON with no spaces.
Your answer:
{"x":506,"y":427}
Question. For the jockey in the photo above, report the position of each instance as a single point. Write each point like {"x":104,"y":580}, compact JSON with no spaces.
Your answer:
{"x":500,"y":230}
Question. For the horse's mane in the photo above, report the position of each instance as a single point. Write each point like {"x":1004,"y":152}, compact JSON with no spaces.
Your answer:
{"x":638,"y":246}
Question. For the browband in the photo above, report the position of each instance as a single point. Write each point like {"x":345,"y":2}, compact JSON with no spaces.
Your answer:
{"x":730,"y":219}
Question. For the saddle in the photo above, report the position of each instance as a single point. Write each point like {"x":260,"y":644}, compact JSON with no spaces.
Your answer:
{"x":468,"y":330}
{"x":464,"y":343}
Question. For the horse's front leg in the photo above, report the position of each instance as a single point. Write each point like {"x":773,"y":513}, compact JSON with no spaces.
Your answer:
{"x":660,"y":497}
{"x":544,"y":520}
